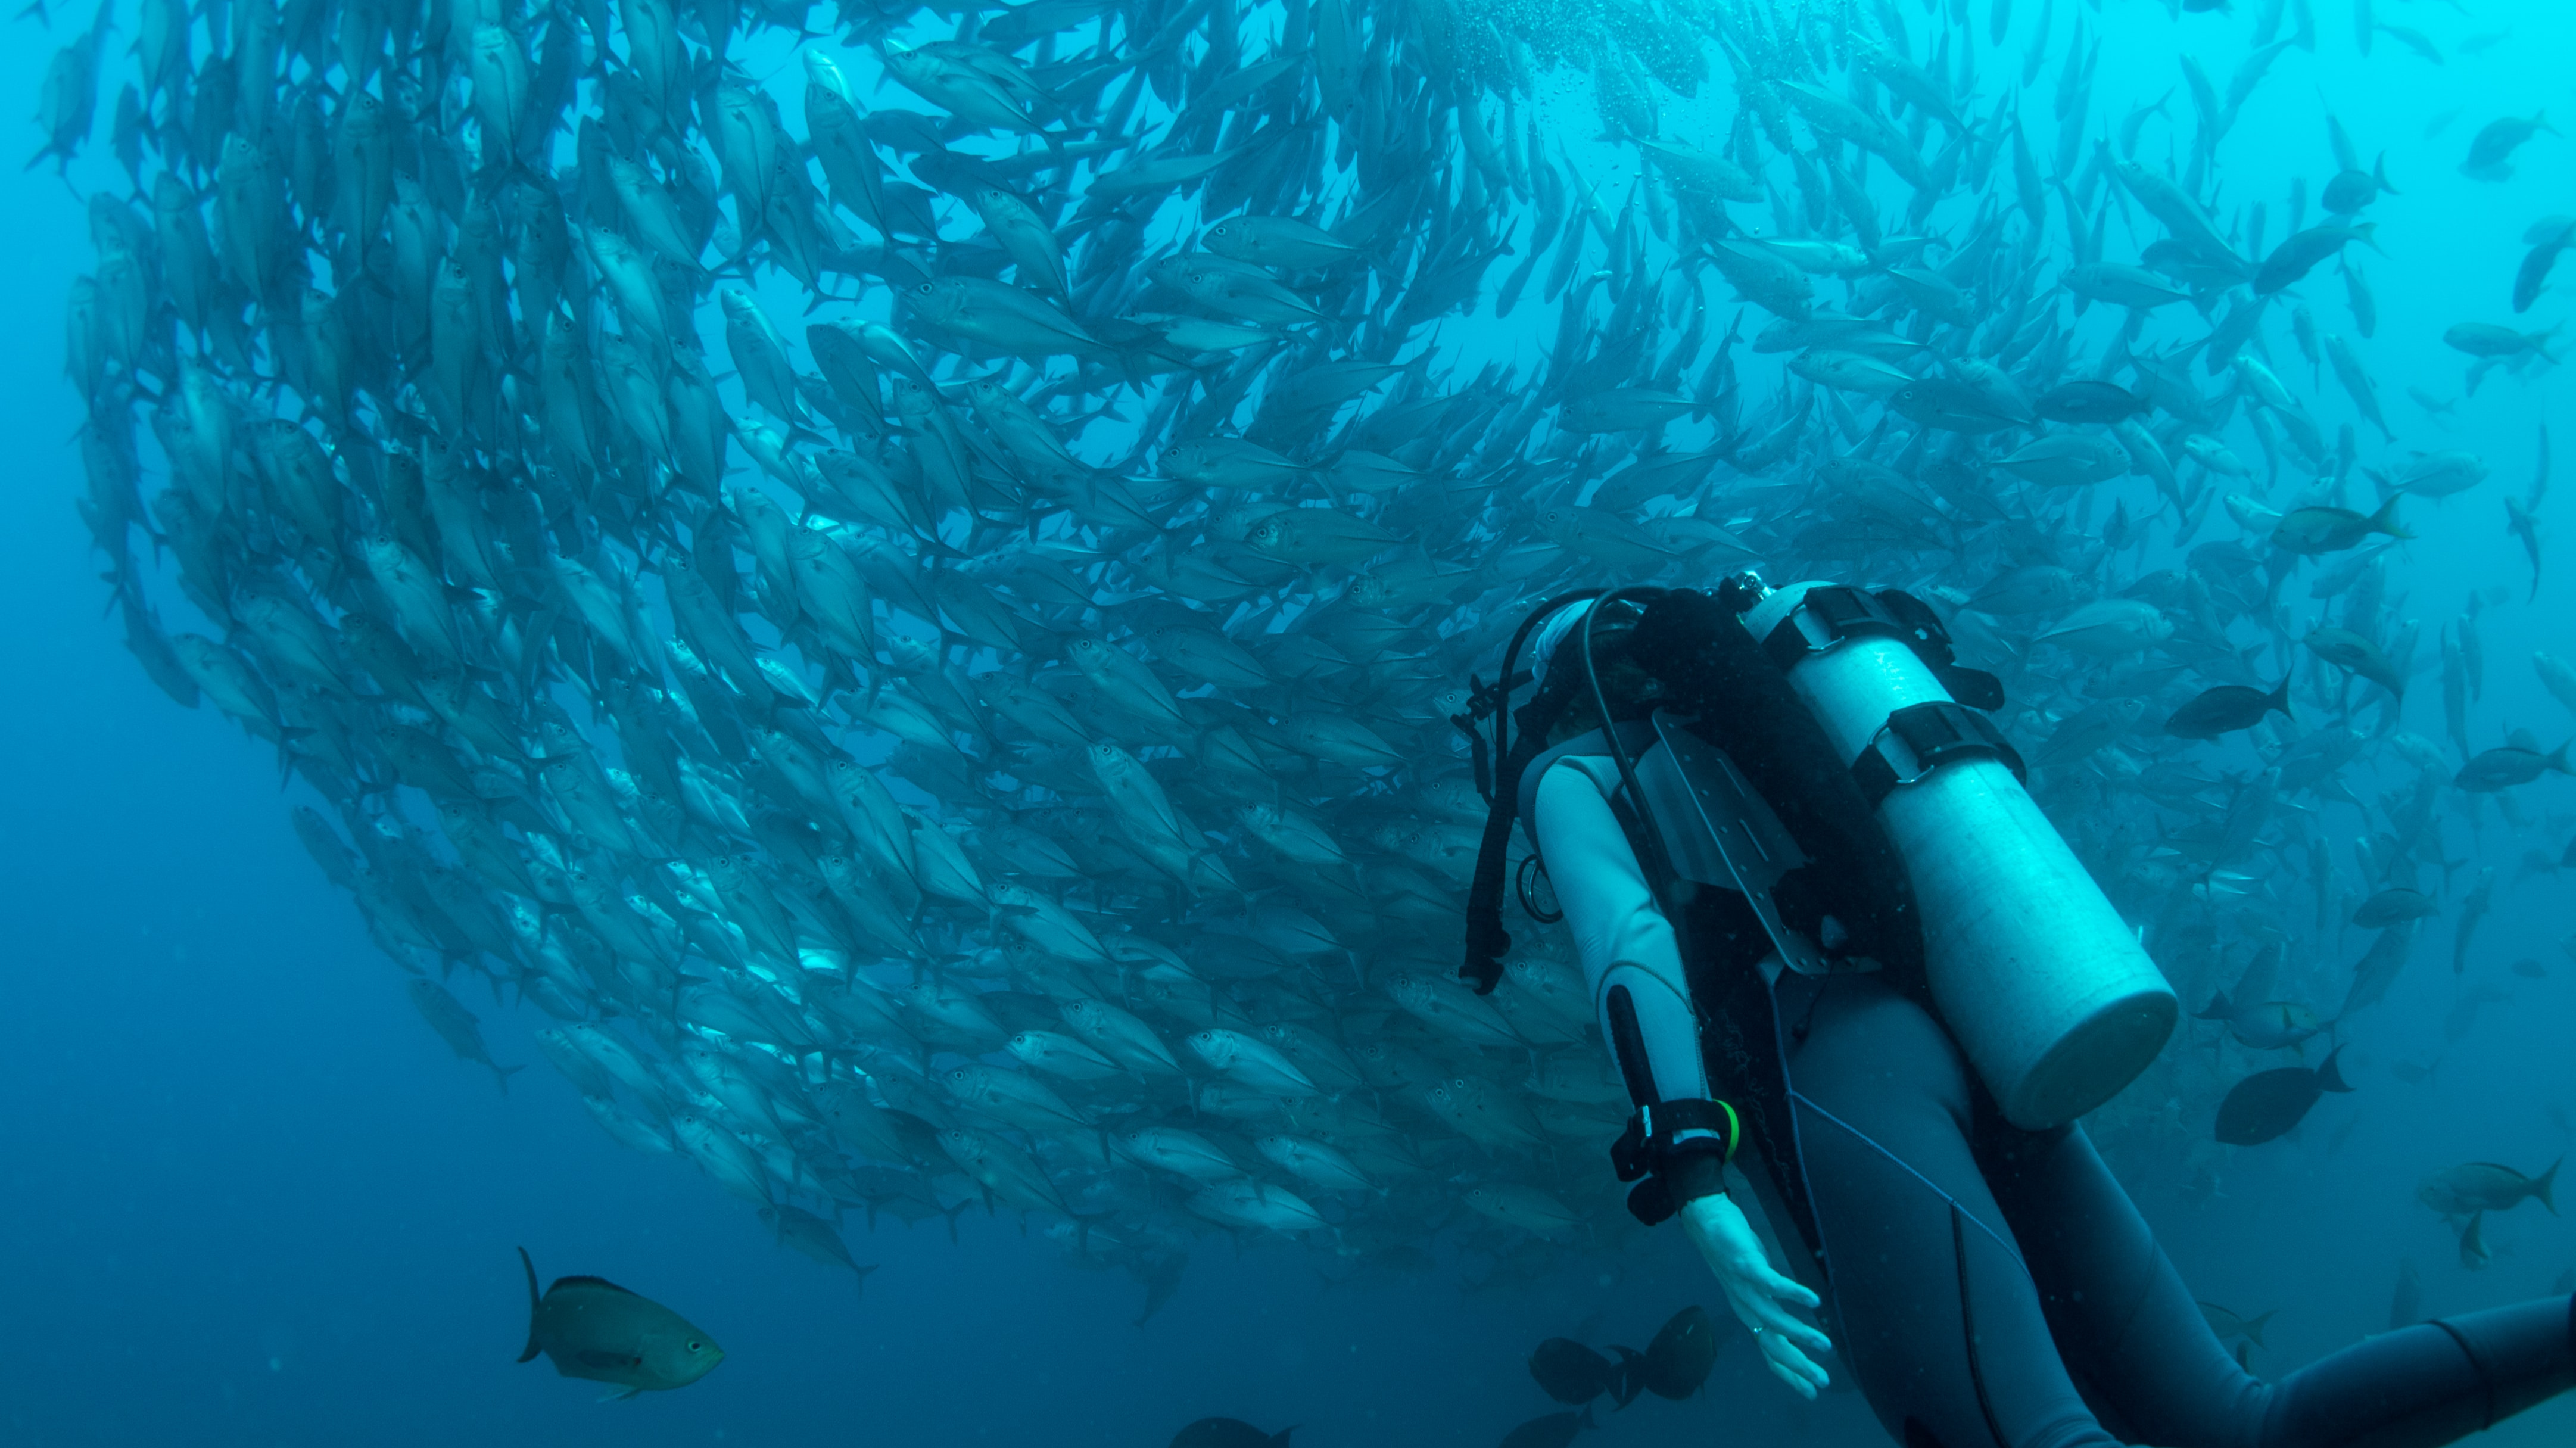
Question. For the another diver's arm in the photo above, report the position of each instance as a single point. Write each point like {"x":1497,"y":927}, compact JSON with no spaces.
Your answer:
{"x":1633,"y":967}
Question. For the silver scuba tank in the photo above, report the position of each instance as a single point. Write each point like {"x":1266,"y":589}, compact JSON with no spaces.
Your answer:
{"x":2044,"y":986}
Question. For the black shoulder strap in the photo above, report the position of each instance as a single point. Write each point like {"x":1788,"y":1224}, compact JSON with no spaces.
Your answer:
{"x":1487,"y":941}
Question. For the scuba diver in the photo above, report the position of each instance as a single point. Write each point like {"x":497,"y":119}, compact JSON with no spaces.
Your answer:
{"x":1823,"y":925}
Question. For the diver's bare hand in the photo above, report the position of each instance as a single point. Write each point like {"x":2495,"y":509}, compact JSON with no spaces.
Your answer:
{"x":1760,"y":1297}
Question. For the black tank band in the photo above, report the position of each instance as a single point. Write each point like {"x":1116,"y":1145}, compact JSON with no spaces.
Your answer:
{"x":1830,"y":613}
{"x":1919,"y":738}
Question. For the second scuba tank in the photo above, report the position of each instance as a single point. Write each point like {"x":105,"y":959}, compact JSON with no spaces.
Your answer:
{"x":2044,"y":986}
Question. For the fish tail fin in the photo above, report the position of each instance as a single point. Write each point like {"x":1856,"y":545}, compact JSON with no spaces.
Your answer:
{"x":1632,"y":1375}
{"x":2368,"y":235}
{"x":529,"y":1353}
{"x":502,"y":1075}
{"x":2279,"y":700}
{"x":2557,"y":759}
{"x":863,"y":1278}
{"x":1280,"y":1438}
{"x":2385,"y":520}
{"x":2218,"y":1009}
{"x":2254,"y":1327}
{"x":1586,"y":1419}
{"x":2379,"y":174}
{"x":2327,"y":1076}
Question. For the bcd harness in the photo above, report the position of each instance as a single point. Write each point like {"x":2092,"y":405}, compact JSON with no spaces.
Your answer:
{"x":1693,"y":819}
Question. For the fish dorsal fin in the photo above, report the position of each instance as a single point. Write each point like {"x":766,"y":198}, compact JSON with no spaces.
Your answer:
{"x":2525,"y":740}
{"x":561,"y":1283}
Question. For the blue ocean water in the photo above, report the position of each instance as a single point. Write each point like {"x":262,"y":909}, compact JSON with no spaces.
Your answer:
{"x":247,"y":1198}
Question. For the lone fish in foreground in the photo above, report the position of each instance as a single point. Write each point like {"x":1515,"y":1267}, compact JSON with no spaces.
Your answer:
{"x":2268,"y":1103}
{"x":2225,"y":708}
{"x":592,"y":1328}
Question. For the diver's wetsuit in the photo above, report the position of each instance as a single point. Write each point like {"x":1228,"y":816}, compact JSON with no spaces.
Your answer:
{"x":1992,"y":1287}
{"x":1996,"y":1286}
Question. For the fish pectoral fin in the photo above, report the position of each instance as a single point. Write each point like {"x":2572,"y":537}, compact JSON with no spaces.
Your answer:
{"x":620,"y":1395}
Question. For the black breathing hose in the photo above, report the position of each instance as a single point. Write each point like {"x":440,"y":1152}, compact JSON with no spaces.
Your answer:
{"x":1619,"y":747}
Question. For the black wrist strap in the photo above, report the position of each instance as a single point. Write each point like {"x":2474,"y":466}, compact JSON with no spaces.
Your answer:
{"x":1675,"y":1172}
{"x":1691,"y":1175}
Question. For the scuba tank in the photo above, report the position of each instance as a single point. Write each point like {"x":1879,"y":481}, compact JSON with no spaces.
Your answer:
{"x":2043,"y":985}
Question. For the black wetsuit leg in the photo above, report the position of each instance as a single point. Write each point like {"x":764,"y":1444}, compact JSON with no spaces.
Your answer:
{"x":2137,"y":1344}
{"x":1939,"y":1323}
{"x":1962,"y":1306}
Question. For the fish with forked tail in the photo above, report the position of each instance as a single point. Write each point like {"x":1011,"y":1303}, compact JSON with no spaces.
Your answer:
{"x":2267,"y":1104}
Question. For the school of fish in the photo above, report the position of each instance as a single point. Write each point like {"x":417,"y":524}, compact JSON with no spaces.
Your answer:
{"x":915,"y":620}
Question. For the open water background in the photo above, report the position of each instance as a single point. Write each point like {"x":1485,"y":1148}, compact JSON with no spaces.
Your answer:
{"x":247,"y":1198}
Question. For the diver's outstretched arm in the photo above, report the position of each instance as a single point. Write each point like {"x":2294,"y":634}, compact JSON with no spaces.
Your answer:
{"x":1634,"y":970}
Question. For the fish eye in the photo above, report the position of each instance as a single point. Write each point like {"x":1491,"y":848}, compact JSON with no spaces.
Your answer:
{"x":695,"y":1345}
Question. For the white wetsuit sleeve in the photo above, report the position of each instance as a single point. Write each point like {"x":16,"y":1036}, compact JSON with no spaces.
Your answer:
{"x":1619,"y":931}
